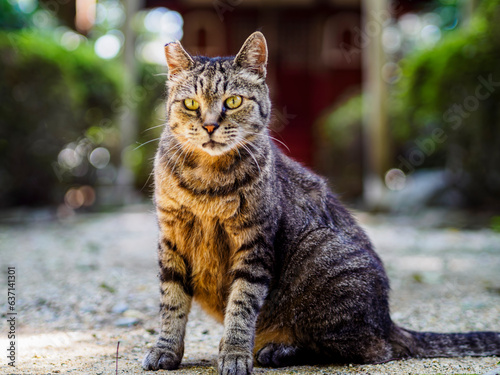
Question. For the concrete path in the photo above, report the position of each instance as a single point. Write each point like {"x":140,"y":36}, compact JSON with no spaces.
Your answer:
{"x":83,"y":285}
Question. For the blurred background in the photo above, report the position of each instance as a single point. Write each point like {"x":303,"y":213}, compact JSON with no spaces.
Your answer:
{"x":396,"y":102}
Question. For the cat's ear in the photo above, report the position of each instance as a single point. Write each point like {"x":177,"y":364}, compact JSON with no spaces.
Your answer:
{"x":253,"y":54}
{"x":177,"y":59}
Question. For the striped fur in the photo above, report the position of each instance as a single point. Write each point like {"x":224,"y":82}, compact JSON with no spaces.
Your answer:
{"x":260,"y":242}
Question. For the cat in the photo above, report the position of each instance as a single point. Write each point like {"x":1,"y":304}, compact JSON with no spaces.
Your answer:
{"x":260,"y":241}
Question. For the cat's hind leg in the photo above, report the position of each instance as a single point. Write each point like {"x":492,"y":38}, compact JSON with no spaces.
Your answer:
{"x":336,"y":298}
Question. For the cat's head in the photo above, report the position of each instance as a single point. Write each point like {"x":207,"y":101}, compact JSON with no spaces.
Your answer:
{"x":218,"y":104}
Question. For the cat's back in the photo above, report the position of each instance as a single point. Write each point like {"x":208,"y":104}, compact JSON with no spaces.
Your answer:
{"x":308,"y":205}
{"x":300,"y":187}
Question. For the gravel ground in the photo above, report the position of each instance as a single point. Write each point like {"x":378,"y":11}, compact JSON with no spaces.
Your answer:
{"x":88,"y":282}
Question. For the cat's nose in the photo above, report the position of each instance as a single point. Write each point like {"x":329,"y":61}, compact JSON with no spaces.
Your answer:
{"x":210,"y":127}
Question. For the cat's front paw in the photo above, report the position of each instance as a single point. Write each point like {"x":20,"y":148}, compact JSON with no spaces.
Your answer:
{"x":235,"y":363}
{"x":161,"y":358}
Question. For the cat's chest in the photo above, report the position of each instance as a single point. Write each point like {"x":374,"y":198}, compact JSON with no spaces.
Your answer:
{"x":207,"y":247}
{"x":210,"y":258}
{"x":205,"y":230}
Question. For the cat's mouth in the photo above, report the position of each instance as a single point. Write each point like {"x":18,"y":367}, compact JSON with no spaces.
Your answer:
{"x":212,"y":144}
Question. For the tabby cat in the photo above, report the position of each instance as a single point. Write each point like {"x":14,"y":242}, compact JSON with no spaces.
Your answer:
{"x":261,"y":242}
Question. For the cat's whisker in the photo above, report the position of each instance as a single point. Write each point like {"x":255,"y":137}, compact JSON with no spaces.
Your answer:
{"x":172,"y":147}
{"x":265,"y":135}
{"x":178,"y":146}
{"x":256,"y":147}
{"x":183,"y":150}
{"x":190,"y":149}
{"x":145,"y":143}
{"x":154,"y":127}
{"x":239,"y":142}
{"x":271,"y":137}
{"x":147,"y":180}
{"x":283,"y":143}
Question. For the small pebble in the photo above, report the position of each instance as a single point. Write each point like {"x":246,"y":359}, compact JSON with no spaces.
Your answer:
{"x":119,"y":308}
{"x":126,"y":322}
{"x":133,"y":314}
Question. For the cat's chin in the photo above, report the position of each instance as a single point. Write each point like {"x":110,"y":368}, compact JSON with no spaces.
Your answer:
{"x":215,"y":148}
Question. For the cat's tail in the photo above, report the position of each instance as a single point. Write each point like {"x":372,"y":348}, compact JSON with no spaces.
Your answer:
{"x":430,"y":344}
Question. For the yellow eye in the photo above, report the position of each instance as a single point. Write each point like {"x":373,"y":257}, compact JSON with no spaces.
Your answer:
{"x":191,"y":104}
{"x":233,"y":101}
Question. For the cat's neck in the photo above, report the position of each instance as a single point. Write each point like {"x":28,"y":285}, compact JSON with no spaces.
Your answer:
{"x":196,"y":169}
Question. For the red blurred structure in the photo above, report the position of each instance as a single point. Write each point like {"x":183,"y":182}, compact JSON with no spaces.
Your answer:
{"x":314,"y":52}
{"x":307,"y":70}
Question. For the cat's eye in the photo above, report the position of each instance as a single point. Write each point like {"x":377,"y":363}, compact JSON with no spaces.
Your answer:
{"x":191,"y":104}
{"x":233,"y":101}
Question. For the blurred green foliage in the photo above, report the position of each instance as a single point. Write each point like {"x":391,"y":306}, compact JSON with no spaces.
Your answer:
{"x":151,"y":115}
{"x":455,"y":86}
{"x":10,"y":17}
{"x":495,"y":223}
{"x":62,"y":105}
{"x":339,"y":139}
{"x":342,"y":122}
{"x":452,"y":88}
{"x":51,"y":97}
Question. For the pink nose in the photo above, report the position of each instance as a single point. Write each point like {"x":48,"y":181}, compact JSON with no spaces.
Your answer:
{"x":211,"y":127}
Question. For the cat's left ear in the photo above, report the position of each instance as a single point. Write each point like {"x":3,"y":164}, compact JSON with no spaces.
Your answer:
{"x":253,"y":54}
{"x":177,"y":59}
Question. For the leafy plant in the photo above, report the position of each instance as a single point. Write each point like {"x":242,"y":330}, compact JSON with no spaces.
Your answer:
{"x":456,"y":87}
{"x":51,"y":98}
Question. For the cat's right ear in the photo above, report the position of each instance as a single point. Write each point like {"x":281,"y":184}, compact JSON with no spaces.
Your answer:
{"x":177,"y":59}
